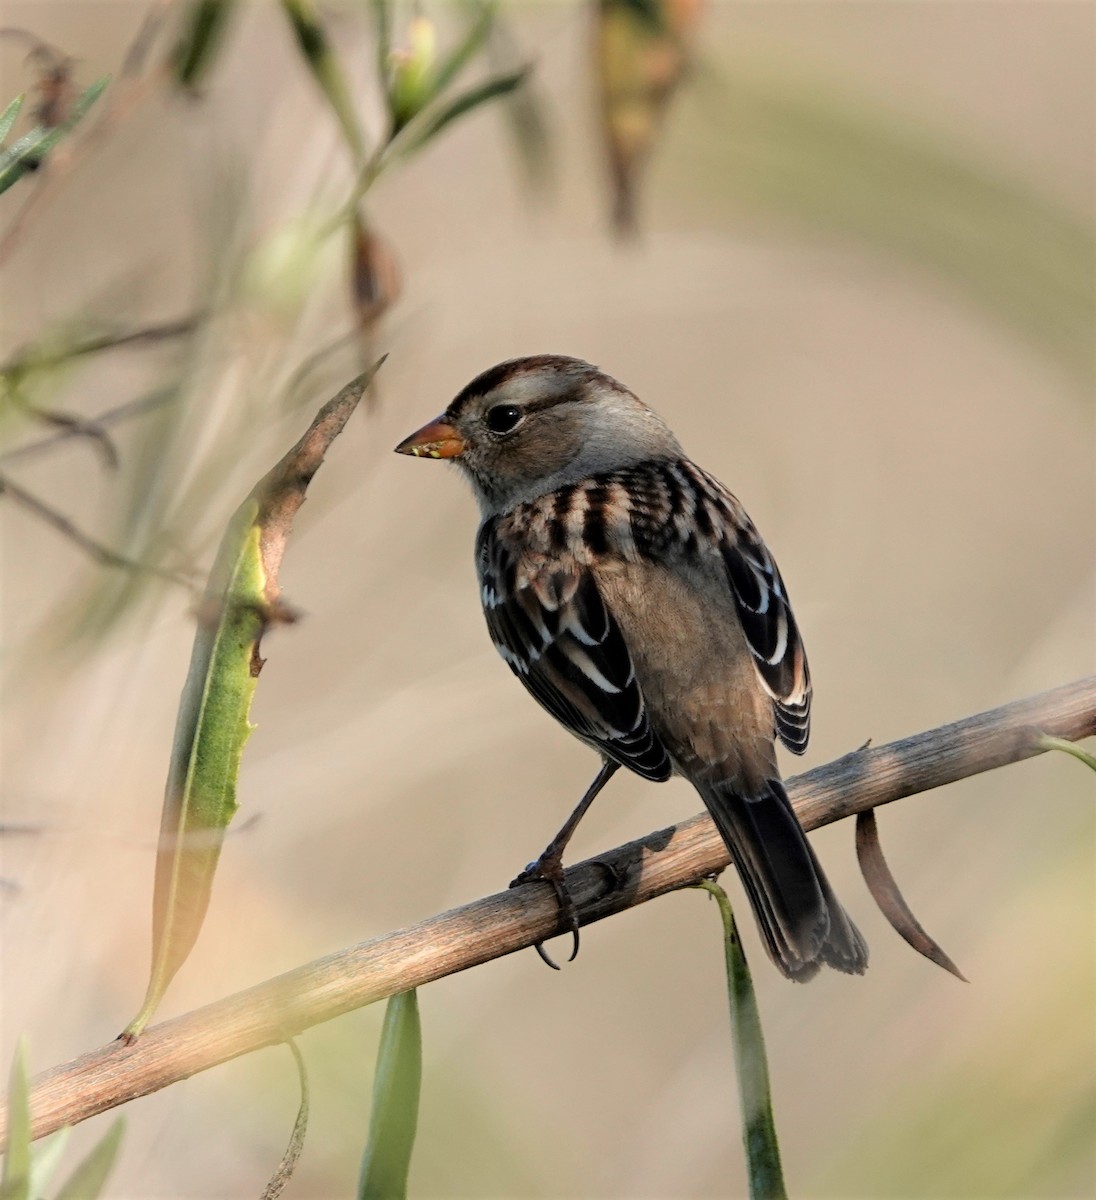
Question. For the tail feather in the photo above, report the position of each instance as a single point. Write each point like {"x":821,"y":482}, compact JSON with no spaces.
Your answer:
{"x":802,"y":923}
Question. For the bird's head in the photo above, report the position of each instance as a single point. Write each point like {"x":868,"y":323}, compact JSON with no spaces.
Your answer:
{"x":531,"y":425}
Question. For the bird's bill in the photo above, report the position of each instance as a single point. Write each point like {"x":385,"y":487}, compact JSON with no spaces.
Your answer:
{"x":438,"y":439}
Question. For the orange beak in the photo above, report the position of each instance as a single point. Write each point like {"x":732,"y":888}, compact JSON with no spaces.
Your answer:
{"x":437,"y":440}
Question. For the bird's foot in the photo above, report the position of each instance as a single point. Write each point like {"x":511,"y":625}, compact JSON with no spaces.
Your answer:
{"x":549,"y":869}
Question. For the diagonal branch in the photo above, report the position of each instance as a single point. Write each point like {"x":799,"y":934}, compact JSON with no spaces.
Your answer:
{"x":112,"y":416}
{"x":85,"y":542}
{"x":496,"y":925}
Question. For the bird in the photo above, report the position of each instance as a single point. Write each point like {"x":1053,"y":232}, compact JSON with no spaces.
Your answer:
{"x":630,"y":593}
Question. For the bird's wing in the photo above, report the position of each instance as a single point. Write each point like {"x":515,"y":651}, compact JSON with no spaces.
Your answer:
{"x":553,"y":629}
{"x":767,"y":620}
{"x":676,"y":509}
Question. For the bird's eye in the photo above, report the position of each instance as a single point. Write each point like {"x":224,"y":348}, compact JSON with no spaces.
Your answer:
{"x":502,"y":418}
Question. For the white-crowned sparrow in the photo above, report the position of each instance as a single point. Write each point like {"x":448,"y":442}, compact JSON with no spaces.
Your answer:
{"x":632,"y":596}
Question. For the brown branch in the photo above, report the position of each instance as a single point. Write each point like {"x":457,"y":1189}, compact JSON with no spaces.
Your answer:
{"x":513,"y":920}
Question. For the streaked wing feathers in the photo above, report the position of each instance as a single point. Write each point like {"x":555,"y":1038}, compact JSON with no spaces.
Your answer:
{"x":553,"y":629}
{"x":770,"y":629}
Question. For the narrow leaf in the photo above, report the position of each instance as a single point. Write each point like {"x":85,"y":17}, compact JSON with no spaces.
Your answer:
{"x":15,"y":1180}
{"x":90,"y":1177}
{"x":466,"y":49}
{"x":316,"y":49}
{"x":1046,"y":742}
{"x":241,"y":600}
{"x":203,"y":34}
{"x":881,"y":883}
{"x":766,"y":1177}
{"x":395,"y":1114}
{"x":288,"y":1165}
{"x":29,"y":151}
{"x":430,"y":125}
{"x":9,"y":115}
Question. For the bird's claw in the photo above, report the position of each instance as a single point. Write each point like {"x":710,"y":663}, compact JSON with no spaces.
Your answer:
{"x":550,"y":871}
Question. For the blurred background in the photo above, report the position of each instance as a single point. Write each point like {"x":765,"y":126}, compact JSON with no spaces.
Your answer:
{"x":857,"y":280}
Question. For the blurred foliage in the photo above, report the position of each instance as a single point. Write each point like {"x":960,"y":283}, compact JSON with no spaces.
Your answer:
{"x":642,"y":51}
{"x":172,"y":493}
{"x":1036,"y":1110}
{"x":26,"y":1176}
{"x":316,"y":50}
{"x":203,"y":31}
{"x":782,"y":145}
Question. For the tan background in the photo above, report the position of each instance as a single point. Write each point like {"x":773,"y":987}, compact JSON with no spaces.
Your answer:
{"x":923,"y":471}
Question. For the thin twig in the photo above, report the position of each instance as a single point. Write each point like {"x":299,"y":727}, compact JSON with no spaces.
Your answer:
{"x":513,"y":920}
{"x":112,"y":416}
{"x":99,"y":552}
{"x":149,"y":335}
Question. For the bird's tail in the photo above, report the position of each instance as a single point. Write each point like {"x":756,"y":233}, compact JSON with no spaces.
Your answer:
{"x":801,"y":920}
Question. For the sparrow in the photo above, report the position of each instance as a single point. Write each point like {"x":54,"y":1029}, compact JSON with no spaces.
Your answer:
{"x":630,"y":593}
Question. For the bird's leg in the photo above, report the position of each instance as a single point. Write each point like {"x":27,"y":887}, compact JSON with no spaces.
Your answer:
{"x":549,"y":867}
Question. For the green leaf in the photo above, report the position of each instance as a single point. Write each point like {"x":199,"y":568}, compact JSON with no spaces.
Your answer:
{"x":284,"y":1172}
{"x":241,"y":600}
{"x":210,"y":732}
{"x":89,"y":1178}
{"x":432,"y":124}
{"x":395,"y":1112}
{"x":766,"y":1178}
{"x":15,"y":1180}
{"x":7,"y":119}
{"x":314,"y":45}
{"x":203,"y":35}
{"x":29,"y":151}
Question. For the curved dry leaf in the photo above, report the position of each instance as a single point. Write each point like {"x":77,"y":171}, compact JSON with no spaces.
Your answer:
{"x":375,"y":275}
{"x":884,"y":890}
{"x":641,"y":54}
